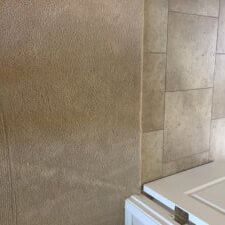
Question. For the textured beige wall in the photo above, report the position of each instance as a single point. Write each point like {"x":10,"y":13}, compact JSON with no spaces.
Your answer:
{"x":183,"y":85}
{"x":70,"y":102}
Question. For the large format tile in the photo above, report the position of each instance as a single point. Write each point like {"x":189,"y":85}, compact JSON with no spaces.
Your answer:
{"x":221,"y":31}
{"x":153,"y":91}
{"x":155,"y":30}
{"x":219,"y":88}
{"x":217,"y":148}
{"x":187,"y":123}
{"x":152,"y":153}
{"x":200,"y":7}
{"x":185,"y":163}
{"x":191,"y":51}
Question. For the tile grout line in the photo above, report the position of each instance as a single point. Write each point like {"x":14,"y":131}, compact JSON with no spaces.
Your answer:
{"x":220,"y":118}
{"x":218,"y":29}
{"x":194,"y":89}
{"x":186,"y":169}
{"x":192,"y":14}
{"x":149,"y":52}
{"x":150,"y":131}
{"x":141,"y":97}
{"x":188,"y":156}
{"x":213,"y":89}
{"x":12,"y":185}
{"x":164,"y":115}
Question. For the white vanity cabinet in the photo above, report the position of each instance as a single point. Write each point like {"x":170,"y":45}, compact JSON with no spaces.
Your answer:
{"x":140,"y":210}
{"x":196,"y":196}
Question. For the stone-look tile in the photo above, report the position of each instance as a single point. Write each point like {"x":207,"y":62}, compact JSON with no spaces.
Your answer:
{"x":155,"y":29}
{"x":7,"y":208}
{"x":221,"y":31}
{"x":152,"y":153}
{"x":191,"y":51}
{"x":199,"y":7}
{"x":187,"y":123}
{"x":186,"y":163}
{"x":219,"y":88}
{"x":217,"y":147}
{"x":153,"y":92}
{"x":70,"y":90}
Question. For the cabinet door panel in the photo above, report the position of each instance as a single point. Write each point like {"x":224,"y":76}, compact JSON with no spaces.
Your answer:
{"x":199,"y":192}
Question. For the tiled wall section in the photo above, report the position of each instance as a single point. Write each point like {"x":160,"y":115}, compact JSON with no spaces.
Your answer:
{"x":183,"y":119}
{"x":154,"y":90}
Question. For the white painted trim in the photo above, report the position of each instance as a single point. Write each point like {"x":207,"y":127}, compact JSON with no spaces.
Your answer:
{"x":172,"y":205}
{"x":128,"y":216}
{"x":147,"y":212}
{"x":159,"y":197}
{"x":154,"y":212}
{"x":137,"y":212}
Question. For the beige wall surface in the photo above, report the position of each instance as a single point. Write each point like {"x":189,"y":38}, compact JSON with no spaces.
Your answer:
{"x":70,"y":103}
{"x":183,"y":98}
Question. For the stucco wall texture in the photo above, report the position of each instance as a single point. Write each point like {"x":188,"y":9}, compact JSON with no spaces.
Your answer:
{"x":69,"y":110}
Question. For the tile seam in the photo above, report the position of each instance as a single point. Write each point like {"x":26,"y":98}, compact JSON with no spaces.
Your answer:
{"x":149,"y":52}
{"x":193,"y":14}
{"x":164,"y":115}
{"x":151,"y":131}
{"x":219,"y":118}
{"x":213,"y":89}
{"x":185,"y":169}
{"x":186,"y":90}
{"x":141,"y":96}
{"x":185,"y":157}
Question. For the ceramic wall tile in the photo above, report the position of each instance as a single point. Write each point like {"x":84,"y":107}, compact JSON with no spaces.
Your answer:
{"x":182,"y":164}
{"x":199,"y":7}
{"x":191,"y":52}
{"x":219,"y":88}
{"x":155,"y":30}
{"x":217,"y":148}
{"x":187,"y":123}
{"x":221,"y":31}
{"x":153,"y":91}
{"x":152,"y":152}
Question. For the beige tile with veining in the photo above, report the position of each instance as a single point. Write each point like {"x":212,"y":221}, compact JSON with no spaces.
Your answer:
{"x":191,"y":51}
{"x":187,"y":123}
{"x":153,"y":91}
{"x":155,"y":30}
{"x":219,"y":88}
{"x":217,"y":148}
{"x":184,"y":163}
{"x":221,"y":30}
{"x":152,"y":152}
{"x":199,"y":7}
